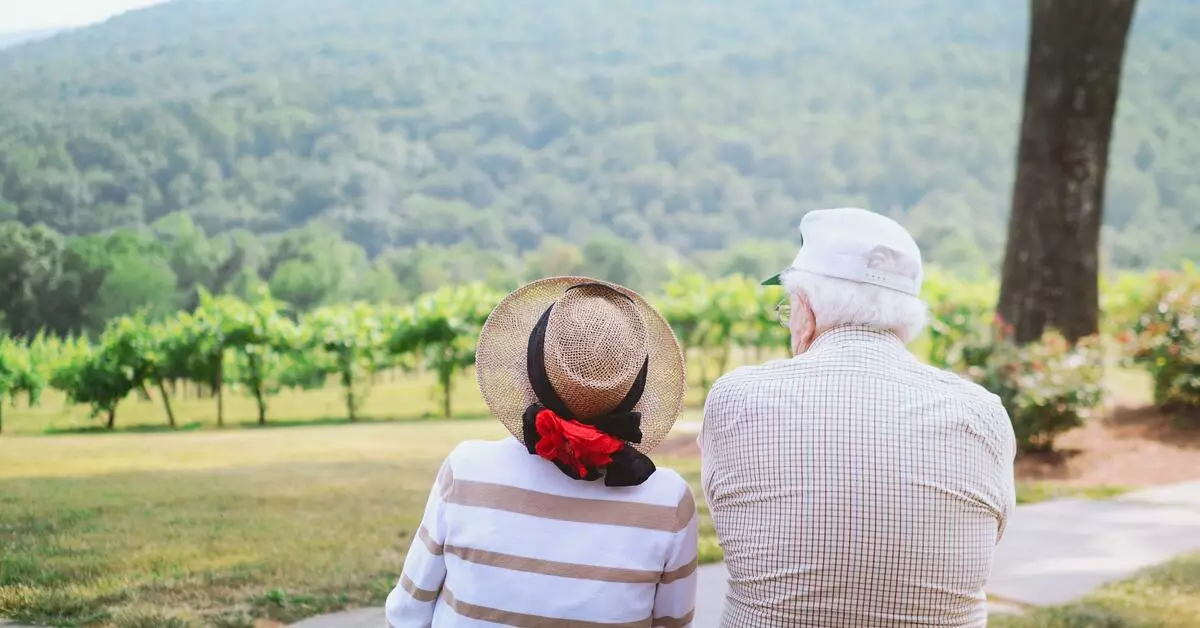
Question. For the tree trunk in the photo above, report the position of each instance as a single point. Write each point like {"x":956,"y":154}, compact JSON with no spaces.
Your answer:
{"x":1051,"y":274}
{"x":1,"y":415}
{"x":445,"y":373}
{"x":217,"y":390}
{"x":723,"y":357}
{"x":162,"y":390}
{"x":348,"y":385}
{"x":262,"y":406}
{"x":257,"y":387}
{"x":112,"y":418}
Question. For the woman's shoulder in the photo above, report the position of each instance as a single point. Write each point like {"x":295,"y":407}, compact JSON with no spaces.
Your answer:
{"x":669,"y":480}
{"x":475,"y":447}
{"x":507,"y":462}
{"x":677,"y":491}
{"x":486,"y":454}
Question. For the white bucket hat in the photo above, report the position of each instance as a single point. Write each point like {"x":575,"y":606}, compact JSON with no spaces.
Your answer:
{"x":857,"y":245}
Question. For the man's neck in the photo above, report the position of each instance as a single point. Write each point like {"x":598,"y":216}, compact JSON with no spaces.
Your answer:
{"x":853,"y":334}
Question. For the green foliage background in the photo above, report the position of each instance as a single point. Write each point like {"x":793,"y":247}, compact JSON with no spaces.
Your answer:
{"x":259,"y":347}
{"x":348,"y":149}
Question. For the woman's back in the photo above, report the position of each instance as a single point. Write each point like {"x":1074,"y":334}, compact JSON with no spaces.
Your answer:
{"x":568,"y":523}
{"x":510,"y":540}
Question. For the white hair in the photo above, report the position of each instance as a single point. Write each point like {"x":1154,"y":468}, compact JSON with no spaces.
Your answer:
{"x":838,"y":302}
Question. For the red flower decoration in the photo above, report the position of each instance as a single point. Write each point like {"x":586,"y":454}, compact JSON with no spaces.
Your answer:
{"x":574,"y":444}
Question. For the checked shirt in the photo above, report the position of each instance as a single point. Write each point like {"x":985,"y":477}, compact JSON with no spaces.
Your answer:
{"x":853,"y":486}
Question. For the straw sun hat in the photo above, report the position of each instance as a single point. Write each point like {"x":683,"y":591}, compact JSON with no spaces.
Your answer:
{"x":584,"y":373}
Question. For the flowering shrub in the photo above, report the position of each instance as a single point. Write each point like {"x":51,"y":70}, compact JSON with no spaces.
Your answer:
{"x":1048,"y":387}
{"x":1166,"y":338}
{"x":1124,"y":297}
{"x":960,"y":314}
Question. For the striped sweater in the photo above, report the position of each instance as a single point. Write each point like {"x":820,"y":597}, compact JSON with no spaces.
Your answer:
{"x":508,"y":540}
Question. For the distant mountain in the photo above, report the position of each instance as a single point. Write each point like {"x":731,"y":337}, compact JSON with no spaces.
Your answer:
{"x":500,"y":125}
{"x":8,"y":40}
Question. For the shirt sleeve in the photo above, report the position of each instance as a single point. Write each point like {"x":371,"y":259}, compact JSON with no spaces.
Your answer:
{"x":675,"y":598}
{"x":411,"y":603}
{"x":720,"y":410}
{"x":1007,"y":477}
{"x":1001,"y":444}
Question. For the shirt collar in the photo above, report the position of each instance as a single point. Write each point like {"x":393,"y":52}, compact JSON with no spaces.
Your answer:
{"x":855,"y":334}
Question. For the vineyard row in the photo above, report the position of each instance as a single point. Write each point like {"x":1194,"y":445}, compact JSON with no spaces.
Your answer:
{"x":259,"y":347}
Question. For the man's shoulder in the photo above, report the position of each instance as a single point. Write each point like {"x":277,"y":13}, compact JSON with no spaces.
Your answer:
{"x":961,"y":390}
{"x":954,"y":388}
{"x":744,"y":375}
{"x":733,"y":389}
{"x":979,"y":408}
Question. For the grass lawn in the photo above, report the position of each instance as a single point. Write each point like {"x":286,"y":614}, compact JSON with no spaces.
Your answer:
{"x":217,"y":528}
{"x":227,"y":527}
{"x":1167,"y":596}
{"x":1033,"y":492}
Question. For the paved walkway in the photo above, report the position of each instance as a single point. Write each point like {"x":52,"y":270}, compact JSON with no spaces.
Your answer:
{"x":1052,"y":553}
{"x":1058,"y":551}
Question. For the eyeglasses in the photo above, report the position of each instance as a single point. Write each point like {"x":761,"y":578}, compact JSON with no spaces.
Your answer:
{"x":783,"y":312}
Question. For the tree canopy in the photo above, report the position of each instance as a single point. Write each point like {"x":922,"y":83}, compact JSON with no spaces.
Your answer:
{"x":340,"y":149}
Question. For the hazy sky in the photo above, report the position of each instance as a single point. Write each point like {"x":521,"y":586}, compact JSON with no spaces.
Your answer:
{"x":22,"y":15}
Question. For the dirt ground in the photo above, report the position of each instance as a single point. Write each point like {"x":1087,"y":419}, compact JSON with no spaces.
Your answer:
{"x":1131,"y":447}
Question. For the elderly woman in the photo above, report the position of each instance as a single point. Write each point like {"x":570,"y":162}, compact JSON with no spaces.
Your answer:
{"x":567,"y":523}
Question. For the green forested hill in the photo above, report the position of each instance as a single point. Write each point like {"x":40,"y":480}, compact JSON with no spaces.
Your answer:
{"x":450,"y":138}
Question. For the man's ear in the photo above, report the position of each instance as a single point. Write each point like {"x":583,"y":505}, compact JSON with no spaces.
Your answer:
{"x":810,"y":333}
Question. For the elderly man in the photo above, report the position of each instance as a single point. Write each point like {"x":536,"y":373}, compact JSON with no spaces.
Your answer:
{"x":853,"y":485}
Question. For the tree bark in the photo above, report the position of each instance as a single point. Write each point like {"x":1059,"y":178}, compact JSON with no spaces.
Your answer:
{"x":112,"y":418}
{"x":257,"y":388}
{"x":348,"y":386}
{"x":217,"y":387}
{"x":262,"y":406}
{"x":166,"y":399}
{"x":1051,"y":269}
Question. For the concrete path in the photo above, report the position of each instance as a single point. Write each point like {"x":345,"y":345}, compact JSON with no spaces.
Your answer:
{"x":1052,"y":553}
{"x":361,"y":618}
{"x":1059,"y":551}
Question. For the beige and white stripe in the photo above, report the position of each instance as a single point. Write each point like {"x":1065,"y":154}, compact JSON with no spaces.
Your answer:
{"x":508,"y":539}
